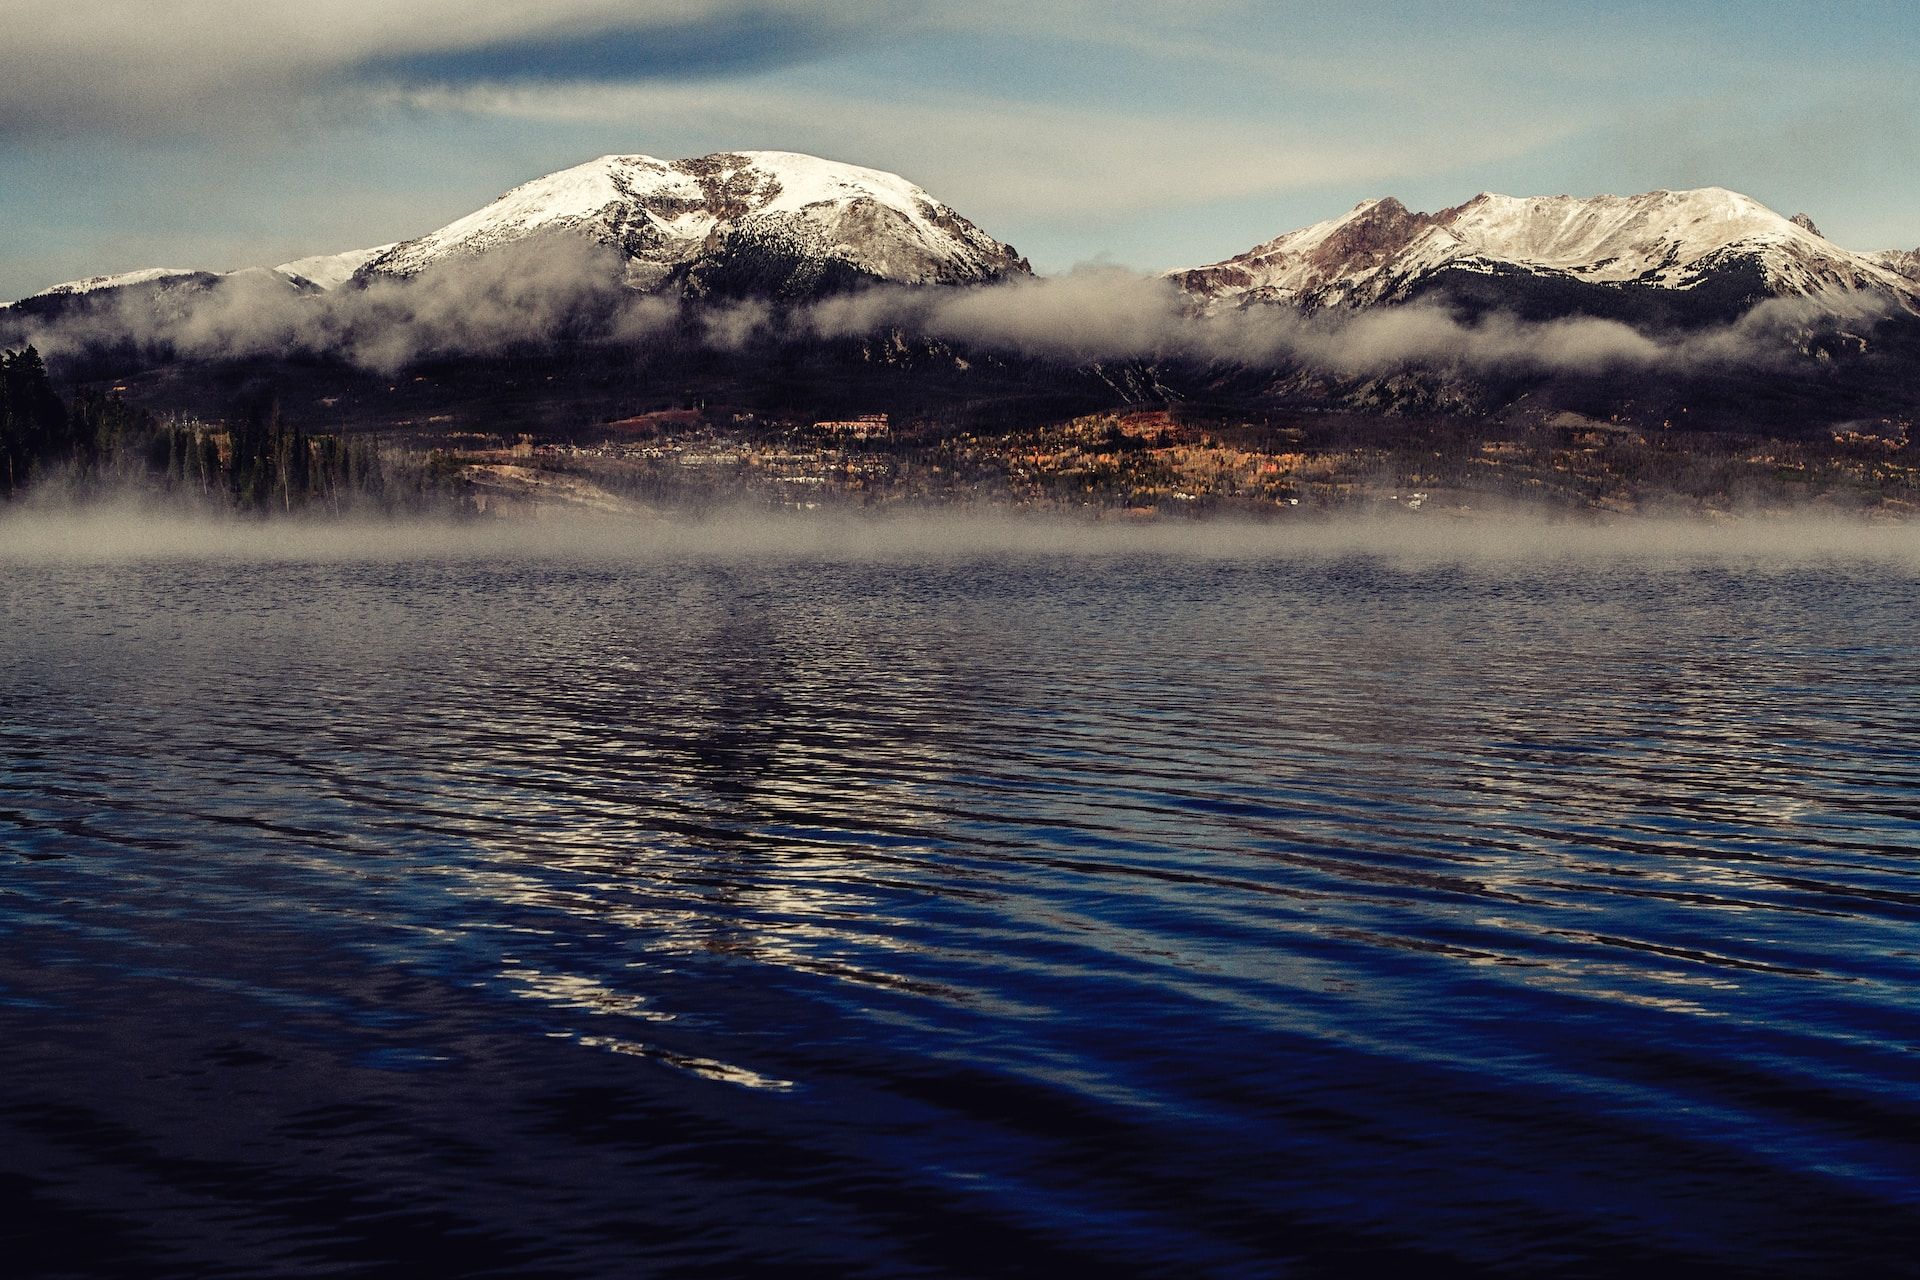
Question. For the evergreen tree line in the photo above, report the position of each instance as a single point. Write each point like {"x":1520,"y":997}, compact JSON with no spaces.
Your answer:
{"x":99,"y":441}
{"x":33,"y":419}
{"x":268,"y":466}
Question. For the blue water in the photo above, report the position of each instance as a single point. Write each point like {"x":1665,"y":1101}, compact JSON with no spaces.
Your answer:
{"x":1022,"y":915}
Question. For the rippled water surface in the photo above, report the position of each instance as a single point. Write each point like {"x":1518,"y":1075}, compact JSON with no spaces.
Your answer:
{"x":951,"y":915}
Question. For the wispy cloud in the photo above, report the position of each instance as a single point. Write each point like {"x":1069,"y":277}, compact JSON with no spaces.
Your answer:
{"x":1013,"y":159}
{"x":140,"y":67}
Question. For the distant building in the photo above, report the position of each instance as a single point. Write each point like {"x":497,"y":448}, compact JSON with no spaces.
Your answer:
{"x":872,"y":426}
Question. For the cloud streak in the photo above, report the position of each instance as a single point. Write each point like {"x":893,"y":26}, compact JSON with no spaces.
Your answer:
{"x":137,"y":67}
{"x":1014,"y":159}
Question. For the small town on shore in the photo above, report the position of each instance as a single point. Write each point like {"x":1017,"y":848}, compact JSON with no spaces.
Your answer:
{"x":1153,"y":464}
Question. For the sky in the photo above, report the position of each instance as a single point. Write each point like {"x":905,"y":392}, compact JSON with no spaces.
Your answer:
{"x":225,"y":133}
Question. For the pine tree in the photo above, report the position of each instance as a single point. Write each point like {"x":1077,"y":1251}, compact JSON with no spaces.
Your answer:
{"x":208,"y":470}
{"x":300,"y":466}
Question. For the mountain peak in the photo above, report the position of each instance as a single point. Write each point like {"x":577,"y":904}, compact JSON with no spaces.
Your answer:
{"x":1371,"y":233}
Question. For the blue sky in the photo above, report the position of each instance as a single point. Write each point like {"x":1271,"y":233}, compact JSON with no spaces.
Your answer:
{"x":223,"y":133}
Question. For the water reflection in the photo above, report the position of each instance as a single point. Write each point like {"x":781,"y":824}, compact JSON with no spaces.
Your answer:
{"x":1041,"y":914}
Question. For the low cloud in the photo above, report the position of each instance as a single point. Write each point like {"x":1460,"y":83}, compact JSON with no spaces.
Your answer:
{"x":1099,"y":313}
{"x":536,"y":296}
{"x":545,"y":295}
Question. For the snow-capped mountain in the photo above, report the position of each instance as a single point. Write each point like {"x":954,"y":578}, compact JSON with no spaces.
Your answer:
{"x":764,"y":222}
{"x":1668,"y":248}
{"x":759,"y":223}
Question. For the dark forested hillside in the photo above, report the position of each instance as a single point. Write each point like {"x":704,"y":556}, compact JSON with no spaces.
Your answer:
{"x":96,"y":441}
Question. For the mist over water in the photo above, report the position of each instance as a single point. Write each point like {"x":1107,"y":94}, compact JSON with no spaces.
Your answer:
{"x":138,"y":530}
{"x":957,"y":895}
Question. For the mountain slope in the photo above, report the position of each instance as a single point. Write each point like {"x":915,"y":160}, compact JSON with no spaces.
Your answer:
{"x":327,"y":271}
{"x":181,"y":284}
{"x":1709,"y":250}
{"x":120,"y":280}
{"x":140,"y":300}
{"x":770,"y":223}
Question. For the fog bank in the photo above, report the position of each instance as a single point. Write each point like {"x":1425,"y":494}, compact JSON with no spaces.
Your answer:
{"x":547,"y":293}
{"x":131,"y":534}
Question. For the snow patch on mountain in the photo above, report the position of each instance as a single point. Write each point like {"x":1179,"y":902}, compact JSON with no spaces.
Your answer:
{"x":124,"y":279}
{"x":327,"y":271}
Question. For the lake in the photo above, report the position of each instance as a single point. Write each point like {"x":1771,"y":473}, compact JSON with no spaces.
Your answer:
{"x":909,"y":905}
